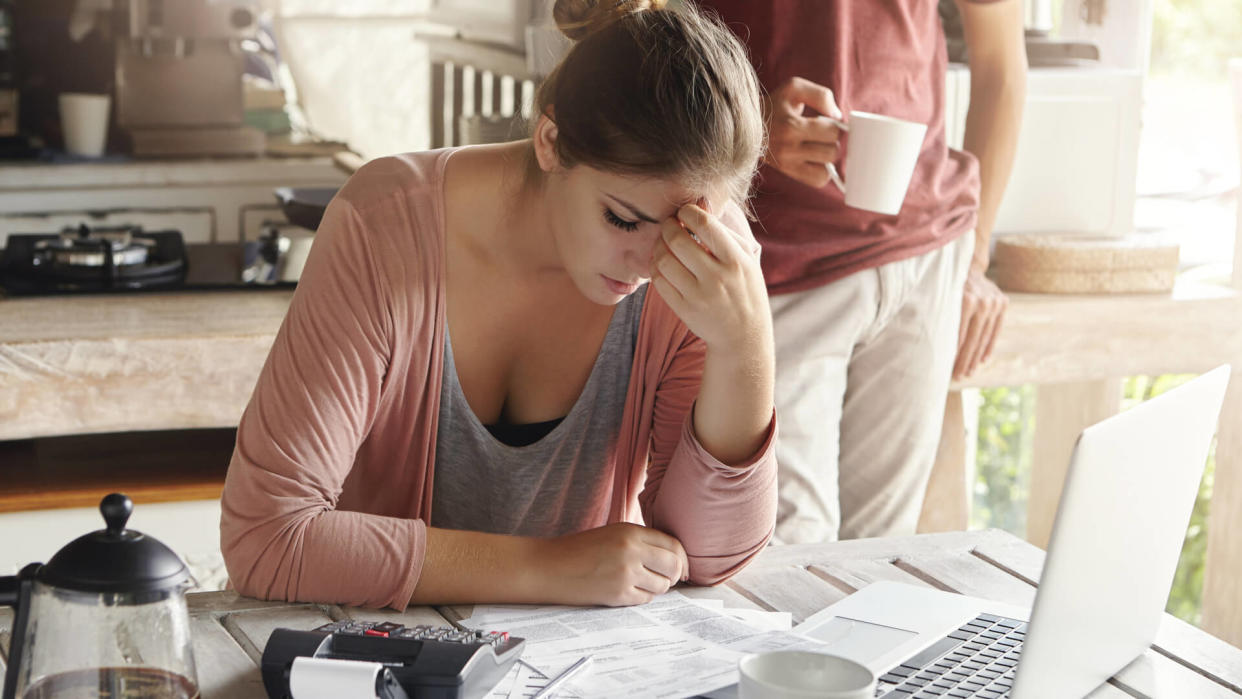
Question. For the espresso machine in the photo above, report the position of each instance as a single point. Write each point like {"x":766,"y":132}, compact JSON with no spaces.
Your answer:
{"x":179,"y":66}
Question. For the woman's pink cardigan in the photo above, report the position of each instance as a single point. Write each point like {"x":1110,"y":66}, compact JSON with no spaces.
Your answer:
{"x":328,"y":493}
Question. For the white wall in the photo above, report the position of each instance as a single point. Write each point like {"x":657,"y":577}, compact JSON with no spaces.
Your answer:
{"x":192,"y":529}
{"x":361,"y":74}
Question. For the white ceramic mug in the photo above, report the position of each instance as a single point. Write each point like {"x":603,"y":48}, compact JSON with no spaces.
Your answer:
{"x":882,"y":154}
{"x":294,"y":258}
{"x":84,"y":121}
{"x":800,"y":674}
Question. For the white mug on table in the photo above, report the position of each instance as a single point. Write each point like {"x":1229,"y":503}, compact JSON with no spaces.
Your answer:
{"x":882,"y":154}
{"x":799,"y":674}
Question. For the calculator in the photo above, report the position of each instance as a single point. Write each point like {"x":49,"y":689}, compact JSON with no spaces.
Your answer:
{"x":428,"y":662}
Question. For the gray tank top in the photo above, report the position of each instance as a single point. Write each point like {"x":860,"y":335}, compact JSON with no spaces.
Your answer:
{"x":554,"y":486}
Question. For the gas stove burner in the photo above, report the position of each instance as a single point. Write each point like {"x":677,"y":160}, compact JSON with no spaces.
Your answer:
{"x":98,"y":247}
{"x":83,"y":259}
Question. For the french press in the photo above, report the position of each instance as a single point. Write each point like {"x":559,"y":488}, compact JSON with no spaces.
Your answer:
{"x":105,"y":617}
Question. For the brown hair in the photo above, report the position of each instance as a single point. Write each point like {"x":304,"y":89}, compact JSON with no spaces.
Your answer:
{"x":648,"y":90}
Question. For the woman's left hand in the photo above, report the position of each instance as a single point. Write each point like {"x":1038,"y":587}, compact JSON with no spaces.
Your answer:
{"x":714,"y":284}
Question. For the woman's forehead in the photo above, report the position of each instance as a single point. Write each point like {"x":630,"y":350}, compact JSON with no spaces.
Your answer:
{"x":673,"y":191}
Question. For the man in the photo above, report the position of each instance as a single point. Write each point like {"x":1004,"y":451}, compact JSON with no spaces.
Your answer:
{"x":874,"y":313}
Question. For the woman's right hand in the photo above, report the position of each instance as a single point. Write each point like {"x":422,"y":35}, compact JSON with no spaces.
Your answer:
{"x":615,"y":565}
{"x":801,"y":146}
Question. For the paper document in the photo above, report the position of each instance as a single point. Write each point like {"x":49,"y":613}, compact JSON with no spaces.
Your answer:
{"x":672,"y":646}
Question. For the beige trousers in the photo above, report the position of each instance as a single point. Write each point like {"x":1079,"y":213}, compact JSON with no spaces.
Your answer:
{"x":862,"y":370}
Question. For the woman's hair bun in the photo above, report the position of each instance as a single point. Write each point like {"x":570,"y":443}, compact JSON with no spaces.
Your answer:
{"x":579,"y":18}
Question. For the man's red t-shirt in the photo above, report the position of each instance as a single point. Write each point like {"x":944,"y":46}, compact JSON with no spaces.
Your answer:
{"x":881,"y":56}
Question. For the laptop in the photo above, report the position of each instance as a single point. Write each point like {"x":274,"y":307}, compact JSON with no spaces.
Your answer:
{"x":1114,"y":548}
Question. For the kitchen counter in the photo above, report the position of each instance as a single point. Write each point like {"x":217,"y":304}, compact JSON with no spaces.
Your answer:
{"x":102,"y":363}
{"x":113,"y":363}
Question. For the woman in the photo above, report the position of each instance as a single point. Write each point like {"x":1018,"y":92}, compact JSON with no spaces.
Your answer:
{"x":474,"y":396}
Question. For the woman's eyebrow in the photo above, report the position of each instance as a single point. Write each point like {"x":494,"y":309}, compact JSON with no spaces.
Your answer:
{"x":633,"y":209}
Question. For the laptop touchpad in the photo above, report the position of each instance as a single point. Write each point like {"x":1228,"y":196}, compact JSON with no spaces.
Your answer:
{"x":859,"y":640}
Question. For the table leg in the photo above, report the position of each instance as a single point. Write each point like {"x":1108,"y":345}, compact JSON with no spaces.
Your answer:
{"x":946,"y":502}
{"x":1222,"y":575}
{"x":1061,"y":412}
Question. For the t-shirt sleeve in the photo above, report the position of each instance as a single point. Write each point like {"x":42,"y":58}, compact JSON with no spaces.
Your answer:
{"x":312,"y":407}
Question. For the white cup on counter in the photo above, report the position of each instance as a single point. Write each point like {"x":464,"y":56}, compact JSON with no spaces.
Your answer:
{"x":84,"y":122}
{"x":294,"y":258}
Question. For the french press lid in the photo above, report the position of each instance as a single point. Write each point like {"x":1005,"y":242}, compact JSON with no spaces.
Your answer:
{"x":115,"y":559}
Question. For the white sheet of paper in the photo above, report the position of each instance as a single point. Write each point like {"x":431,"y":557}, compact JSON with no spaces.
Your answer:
{"x":671,"y":646}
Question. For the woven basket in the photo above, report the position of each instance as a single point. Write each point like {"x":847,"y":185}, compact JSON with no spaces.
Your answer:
{"x":1050,"y":264}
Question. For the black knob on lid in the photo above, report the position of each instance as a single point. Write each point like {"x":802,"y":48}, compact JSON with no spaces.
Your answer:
{"x":116,"y":509}
{"x":115,"y":559}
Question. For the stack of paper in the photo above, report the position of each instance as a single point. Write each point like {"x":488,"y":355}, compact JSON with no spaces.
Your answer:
{"x":673,"y":646}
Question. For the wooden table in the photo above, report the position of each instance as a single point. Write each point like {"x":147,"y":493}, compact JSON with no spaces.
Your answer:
{"x":230,"y":631}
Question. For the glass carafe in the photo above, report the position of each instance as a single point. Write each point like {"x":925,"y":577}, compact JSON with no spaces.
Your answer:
{"x":106,"y":617}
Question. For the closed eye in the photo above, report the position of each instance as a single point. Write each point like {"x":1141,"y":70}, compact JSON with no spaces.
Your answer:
{"x":619,"y":222}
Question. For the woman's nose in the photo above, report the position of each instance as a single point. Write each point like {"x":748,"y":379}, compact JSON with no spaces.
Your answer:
{"x":639,"y":257}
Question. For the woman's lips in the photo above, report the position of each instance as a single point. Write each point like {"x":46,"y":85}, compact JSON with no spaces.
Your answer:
{"x":617,"y":287}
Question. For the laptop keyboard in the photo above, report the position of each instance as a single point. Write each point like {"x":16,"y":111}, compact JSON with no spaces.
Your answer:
{"x":977,"y":660}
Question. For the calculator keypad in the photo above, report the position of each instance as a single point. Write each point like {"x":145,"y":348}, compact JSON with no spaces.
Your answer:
{"x":421,"y":632}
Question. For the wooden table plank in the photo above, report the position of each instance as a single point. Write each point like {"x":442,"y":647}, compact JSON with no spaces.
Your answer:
{"x":792,"y":589}
{"x":1109,"y":691}
{"x":968,"y":575}
{"x":869,"y":549}
{"x":252,"y":629}
{"x":224,"y":669}
{"x":223,"y":601}
{"x":1208,"y":654}
{"x":1018,"y":557}
{"x":1156,"y":676}
{"x":854,"y":575}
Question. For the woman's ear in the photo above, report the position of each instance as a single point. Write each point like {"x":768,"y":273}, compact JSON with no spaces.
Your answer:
{"x":545,"y":143}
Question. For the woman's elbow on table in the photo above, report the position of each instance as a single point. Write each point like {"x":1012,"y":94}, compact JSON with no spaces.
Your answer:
{"x":262,"y":545}
{"x":709,"y":571}
{"x":255,"y":559}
